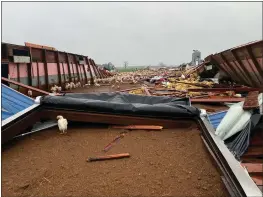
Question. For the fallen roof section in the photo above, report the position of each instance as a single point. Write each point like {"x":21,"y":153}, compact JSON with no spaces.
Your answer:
{"x":244,"y":64}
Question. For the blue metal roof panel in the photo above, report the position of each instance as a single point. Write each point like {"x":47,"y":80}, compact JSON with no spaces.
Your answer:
{"x":216,"y":118}
{"x":13,"y":102}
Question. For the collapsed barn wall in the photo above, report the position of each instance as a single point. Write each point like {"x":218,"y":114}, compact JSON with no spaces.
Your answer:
{"x":43,"y":68}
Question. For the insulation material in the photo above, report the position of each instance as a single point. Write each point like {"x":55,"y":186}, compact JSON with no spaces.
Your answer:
{"x":235,"y":120}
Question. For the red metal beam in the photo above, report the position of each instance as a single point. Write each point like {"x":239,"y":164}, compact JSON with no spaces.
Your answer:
{"x":77,"y":66}
{"x":45,"y":69}
{"x":241,"y":89}
{"x":58,"y":66}
{"x":25,"y":86}
{"x":69,"y":70}
{"x":91,"y":75}
{"x":216,"y":100}
{"x":18,"y":75}
{"x":253,"y":167}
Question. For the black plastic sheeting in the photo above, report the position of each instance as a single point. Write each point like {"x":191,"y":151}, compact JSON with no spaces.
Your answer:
{"x":239,"y":143}
{"x":125,"y":104}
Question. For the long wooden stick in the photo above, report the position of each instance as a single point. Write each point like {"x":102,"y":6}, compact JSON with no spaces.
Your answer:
{"x":108,"y":157}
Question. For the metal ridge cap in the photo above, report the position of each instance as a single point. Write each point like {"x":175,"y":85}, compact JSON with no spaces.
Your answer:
{"x":245,"y":181}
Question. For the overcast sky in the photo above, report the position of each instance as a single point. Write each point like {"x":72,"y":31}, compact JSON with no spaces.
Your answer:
{"x":137,"y":32}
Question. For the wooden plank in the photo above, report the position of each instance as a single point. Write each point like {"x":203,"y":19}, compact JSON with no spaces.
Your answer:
{"x":108,"y":157}
{"x":253,"y":167}
{"x":25,"y":86}
{"x":147,"y":91}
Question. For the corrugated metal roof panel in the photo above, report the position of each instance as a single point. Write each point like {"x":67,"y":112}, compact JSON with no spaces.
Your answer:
{"x":216,"y":118}
{"x":244,"y":64}
{"x":13,"y":102}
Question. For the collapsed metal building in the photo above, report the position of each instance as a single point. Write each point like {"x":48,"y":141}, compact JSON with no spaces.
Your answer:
{"x":43,"y":67}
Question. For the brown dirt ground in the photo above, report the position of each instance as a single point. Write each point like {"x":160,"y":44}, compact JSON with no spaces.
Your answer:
{"x":171,"y":162}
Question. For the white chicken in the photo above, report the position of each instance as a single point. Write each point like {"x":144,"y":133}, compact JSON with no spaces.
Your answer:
{"x":29,"y":93}
{"x":53,"y":89}
{"x":67,"y":86}
{"x":59,"y":89}
{"x":62,"y":124}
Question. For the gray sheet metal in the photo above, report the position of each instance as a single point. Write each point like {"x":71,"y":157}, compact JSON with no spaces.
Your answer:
{"x":247,"y":184}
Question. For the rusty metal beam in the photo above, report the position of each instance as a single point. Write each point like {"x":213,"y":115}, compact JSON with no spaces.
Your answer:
{"x":58,"y":66}
{"x":233,"y":70}
{"x":25,"y":86}
{"x":243,"y":66}
{"x":91,"y":75}
{"x":46,"y":69}
{"x":77,"y":67}
{"x":69,"y":70}
{"x":18,"y":76}
{"x":215,"y":100}
{"x":237,"y":89}
{"x":38,"y":78}
{"x":85,"y":74}
{"x":255,"y":62}
{"x":29,"y":69}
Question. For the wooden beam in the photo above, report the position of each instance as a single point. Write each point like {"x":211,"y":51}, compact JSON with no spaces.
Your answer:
{"x":25,"y":86}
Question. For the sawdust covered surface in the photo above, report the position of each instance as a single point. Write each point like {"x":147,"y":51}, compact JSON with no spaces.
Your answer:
{"x":173,"y":162}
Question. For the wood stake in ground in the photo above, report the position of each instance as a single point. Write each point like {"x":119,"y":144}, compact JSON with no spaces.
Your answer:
{"x":108,"y":157}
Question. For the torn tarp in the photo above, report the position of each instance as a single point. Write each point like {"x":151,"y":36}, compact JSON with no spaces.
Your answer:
{"x":121,"y":103}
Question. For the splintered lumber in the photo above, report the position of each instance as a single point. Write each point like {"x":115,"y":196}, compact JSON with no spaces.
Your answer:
{"x":108,"y":157}
{"x":139,"y":127}
{"x":251,"y":101}
{"x":116,"y":139}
